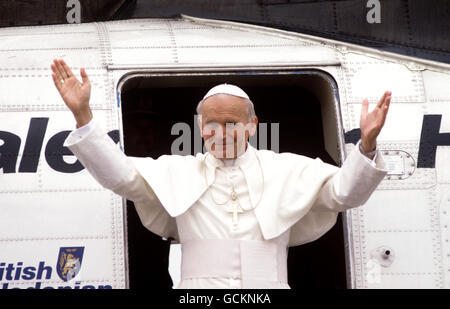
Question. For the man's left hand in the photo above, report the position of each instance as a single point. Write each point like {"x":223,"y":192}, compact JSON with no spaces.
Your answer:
{"x":372,"y":123}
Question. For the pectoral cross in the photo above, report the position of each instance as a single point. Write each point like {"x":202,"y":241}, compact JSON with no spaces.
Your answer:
{"x":235,"y":209}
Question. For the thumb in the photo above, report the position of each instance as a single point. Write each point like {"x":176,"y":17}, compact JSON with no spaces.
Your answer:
{"x":84,"y":76}
{"x":365,"y":107}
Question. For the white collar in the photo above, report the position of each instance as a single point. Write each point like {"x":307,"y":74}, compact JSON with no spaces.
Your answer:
{"x":248,"y":163}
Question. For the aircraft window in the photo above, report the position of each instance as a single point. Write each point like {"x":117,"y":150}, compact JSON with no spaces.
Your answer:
{"x":302,"y":103}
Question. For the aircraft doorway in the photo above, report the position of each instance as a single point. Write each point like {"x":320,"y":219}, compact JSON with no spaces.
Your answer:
{"x":302,"y":103}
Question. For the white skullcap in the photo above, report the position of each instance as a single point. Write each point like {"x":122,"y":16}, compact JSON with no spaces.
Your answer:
{"x":226,"y":89}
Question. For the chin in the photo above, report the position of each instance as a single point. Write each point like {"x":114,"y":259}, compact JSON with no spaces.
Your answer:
{"x":221,"y":153}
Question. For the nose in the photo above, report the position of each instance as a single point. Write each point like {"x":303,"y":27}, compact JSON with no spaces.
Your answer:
{"x":231,"y":133}
{"x":221,"y":132}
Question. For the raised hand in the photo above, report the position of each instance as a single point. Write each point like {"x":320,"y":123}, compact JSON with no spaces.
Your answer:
{"x":372,"y":123}
{"x":75,"y":94}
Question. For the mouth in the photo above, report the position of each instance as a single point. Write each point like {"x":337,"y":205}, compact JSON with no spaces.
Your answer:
{"x":220,"y":143}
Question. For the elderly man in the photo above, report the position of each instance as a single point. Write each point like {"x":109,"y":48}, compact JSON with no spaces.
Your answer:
{"x":234,"y":209}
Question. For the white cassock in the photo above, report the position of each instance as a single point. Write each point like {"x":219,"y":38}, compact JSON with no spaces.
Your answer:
{"x":284,"y":200}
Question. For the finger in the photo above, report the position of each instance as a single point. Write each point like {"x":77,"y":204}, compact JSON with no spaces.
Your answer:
{"x":386,"y":105}
{"x":61,"y":70}
{"x":385,"y":108}
{"x":84,"y":76}
{"x":66,"y":69}
{"x":55,"y":70}
{"x":58,"y":72}
{"x":57,"y":82}
{"x":381,"y":102}
{"x":365,"y":107}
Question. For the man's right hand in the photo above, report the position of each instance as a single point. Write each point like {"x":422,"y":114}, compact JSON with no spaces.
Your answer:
{"x":75,"y":94}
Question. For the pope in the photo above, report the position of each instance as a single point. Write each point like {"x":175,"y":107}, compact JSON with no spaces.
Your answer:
{"x":234,"y":209}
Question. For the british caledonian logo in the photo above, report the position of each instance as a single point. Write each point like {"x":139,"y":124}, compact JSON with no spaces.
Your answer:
{"x":41,"y":276}
{"x":69,"y":262}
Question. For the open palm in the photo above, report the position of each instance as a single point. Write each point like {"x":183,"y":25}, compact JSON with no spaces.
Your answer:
{"x":74,"y":93}
{"x":372,"y":123}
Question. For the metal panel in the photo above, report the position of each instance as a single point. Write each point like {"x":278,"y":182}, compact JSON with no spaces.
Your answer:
{"x":59,"y":209}
{"x":28,"y":41}
{"x":59,"y":214}
{"x":38,"y":96}
{"x":442,"y":107}
{"x":46,"y":178}
{"x":444,"y":215}
{"x":224,"y":36}
{"x":137,"y":38}
{"x":408,"y":129}
{"x":147,"y":56}
{"x":442,"y":164}
{"x":142,"y":24}
{"x":368,"y":77}
{"x":94,"y":272}
{"x":436,"y":86}
{"x":393,"y":210}
{"x":189,"y":42}
{"x":385,"y":222}
{"x":46,"y":208}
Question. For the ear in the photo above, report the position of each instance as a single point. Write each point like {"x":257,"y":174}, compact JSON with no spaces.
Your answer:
{"x":254,"y":126}
{"x":199,"y":123}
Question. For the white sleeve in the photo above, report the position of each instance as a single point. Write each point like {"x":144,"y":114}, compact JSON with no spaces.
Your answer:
{"x":372,"y":161}
{"x":358,"y":178}
{"x":353,"y":184}
{"x":102,"y":157}
{"x":81,"y":132}
{"x":115,"y":171}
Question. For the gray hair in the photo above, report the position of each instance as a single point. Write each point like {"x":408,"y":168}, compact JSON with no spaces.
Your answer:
{"x":250,"y":107}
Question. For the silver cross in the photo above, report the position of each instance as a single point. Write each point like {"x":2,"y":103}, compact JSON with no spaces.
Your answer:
{"x":235,"y":210}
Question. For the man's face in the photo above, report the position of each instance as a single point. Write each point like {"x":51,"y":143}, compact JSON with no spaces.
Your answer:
{"x":225,"y":125}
